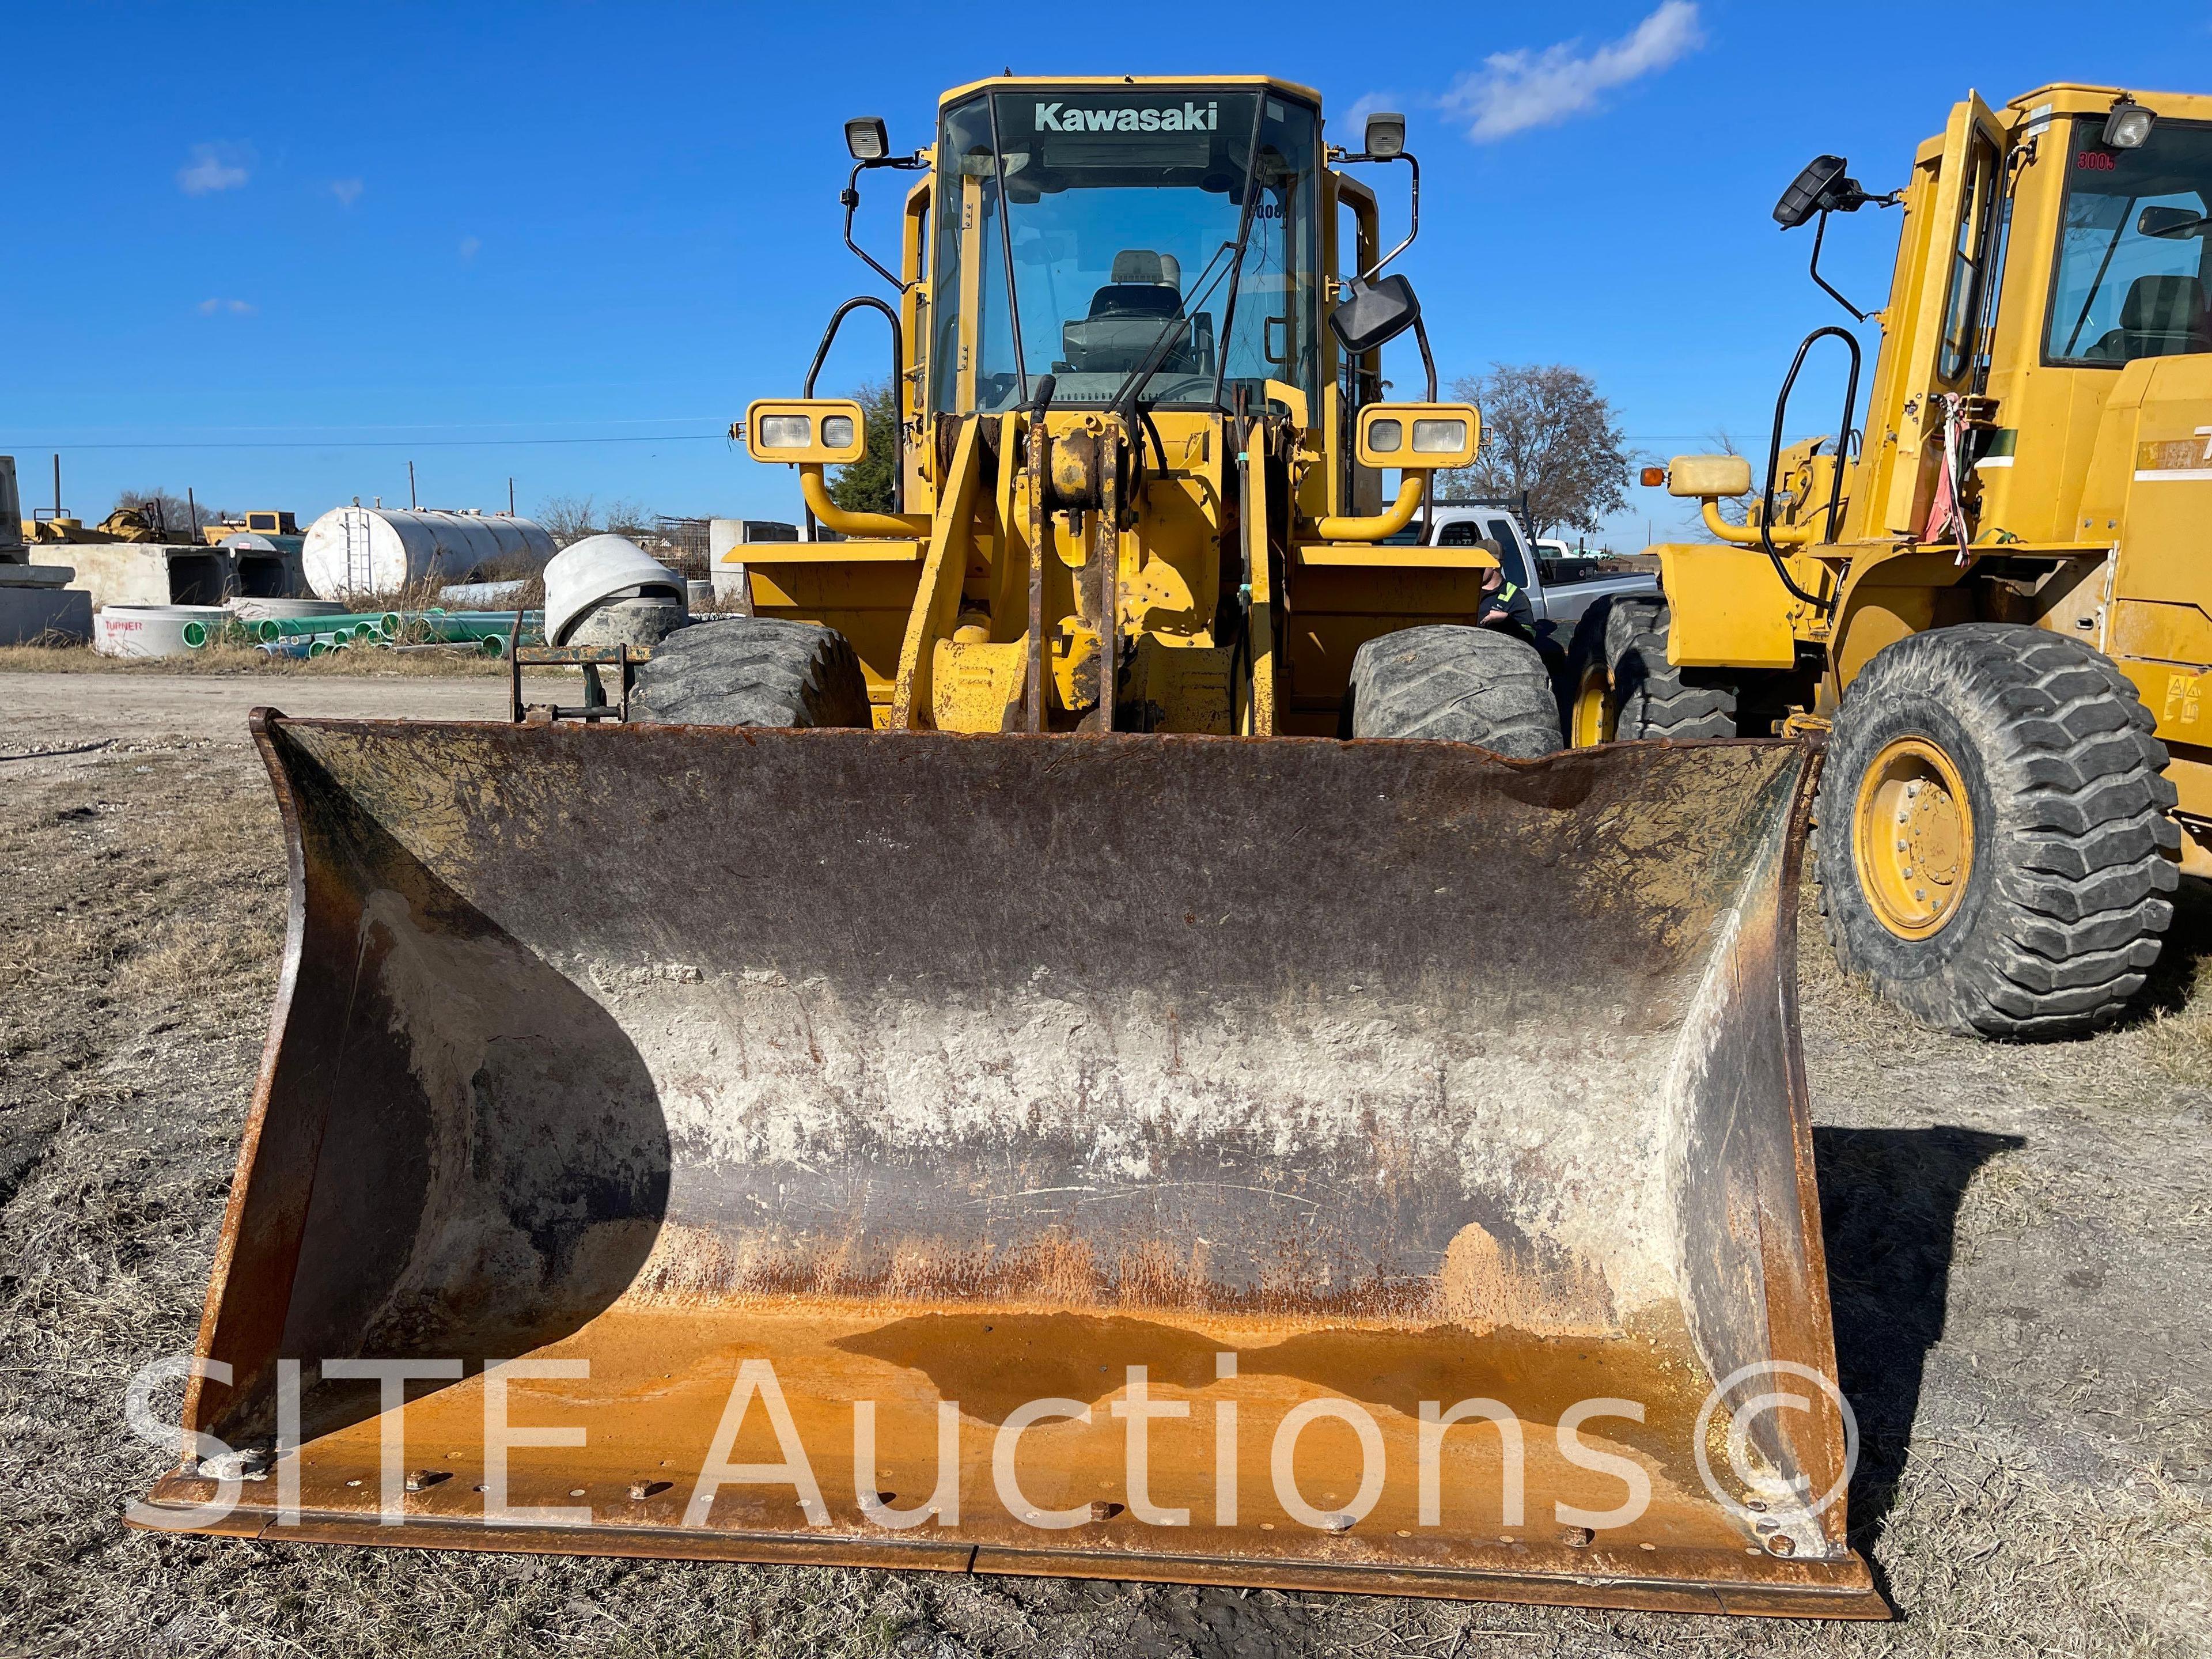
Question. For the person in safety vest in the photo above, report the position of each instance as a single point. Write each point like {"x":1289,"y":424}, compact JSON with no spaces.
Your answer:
{"x":1504,"y":604}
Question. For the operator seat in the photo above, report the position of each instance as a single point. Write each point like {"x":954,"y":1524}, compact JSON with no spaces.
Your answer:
{"x":1142,"y":297}
{"x":2161,"y":317}
{"x":1142,"y":284}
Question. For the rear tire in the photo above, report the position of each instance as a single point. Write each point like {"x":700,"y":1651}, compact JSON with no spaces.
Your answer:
{"x":1589,"y":713}
{"x":753,"y":670}
{"x":1459,"y":684}
{"x":1652,"y":698}
{"x":1995,"y":850}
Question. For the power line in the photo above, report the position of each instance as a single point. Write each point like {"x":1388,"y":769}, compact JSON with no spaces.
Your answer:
{"x":396,"y":426}
{"x":386,"y":443}
{"x":506,"y":443}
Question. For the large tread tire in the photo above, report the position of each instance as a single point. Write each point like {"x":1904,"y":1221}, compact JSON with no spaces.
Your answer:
{"x":2064,"y":905}
{"x":753,"y":670}
{"x":1459,"y":684}
{"x":1656,"y":699}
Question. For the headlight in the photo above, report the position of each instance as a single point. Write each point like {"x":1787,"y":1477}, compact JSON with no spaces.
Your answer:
{"x":1435,"y":437}
{"x":790,"y":432}
{"x":1384,"y":437}
{"x":837,"y":431}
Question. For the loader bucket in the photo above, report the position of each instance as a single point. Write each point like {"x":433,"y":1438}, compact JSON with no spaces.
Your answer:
{"x":1372,"y":1166}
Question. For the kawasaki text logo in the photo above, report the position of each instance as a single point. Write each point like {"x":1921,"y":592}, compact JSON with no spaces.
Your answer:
{"x":1191,"y":117}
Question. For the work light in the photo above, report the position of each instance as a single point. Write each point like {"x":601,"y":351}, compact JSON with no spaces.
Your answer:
{"x":2128,"y":126}
{"x":1385,"y":135}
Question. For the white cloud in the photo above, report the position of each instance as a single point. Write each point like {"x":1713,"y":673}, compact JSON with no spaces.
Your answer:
{"x":469,"y":247}
{"x":213,"y":167}
{"x":210,"y":308}
{"x":1350,"y":125}
{"x":1514,"y":91}
{"x":348,"y":191}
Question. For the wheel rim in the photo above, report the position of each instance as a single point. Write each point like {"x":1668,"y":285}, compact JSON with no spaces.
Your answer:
{"x":1596,"y":716}
{"x":1913,"y":837}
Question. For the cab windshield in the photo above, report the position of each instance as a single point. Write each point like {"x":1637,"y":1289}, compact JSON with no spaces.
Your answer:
{"x":1122,"y":211}
{"x":2133,"y":256}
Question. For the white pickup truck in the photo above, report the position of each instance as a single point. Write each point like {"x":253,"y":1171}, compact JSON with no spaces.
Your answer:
{"x":1591,"y":614}
{"x":1559,"y":589}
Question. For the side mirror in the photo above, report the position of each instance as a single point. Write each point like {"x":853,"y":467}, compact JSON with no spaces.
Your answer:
{"x":821,"y":431}
{"x":1372,"y":314}
{"x":2172,"y":223}
{"x":1418,"y":437}
{"x":1385,"y":137}
{"x":1823,"y":186}
{"x":1706,"y":477}
{"x":865,"y":138}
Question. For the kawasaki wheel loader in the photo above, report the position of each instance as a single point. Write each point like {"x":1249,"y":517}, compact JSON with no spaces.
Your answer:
{"x":976,"y":1072}
{"x":1996,"y":600}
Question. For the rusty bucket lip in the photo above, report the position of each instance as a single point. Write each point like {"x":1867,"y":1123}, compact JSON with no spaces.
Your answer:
{"x":264,"y":718}
{"x":1705,"y":1580}
{"x":1761,"y":1586}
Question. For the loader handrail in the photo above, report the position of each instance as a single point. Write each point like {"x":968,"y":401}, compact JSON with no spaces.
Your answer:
{"x":898,"y":359}
{"x":1774,"y":460}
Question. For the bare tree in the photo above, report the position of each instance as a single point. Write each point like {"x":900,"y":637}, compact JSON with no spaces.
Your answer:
{"x":1545,"y":430}
{"x":632,"y":519}
{"x":568,"y":518}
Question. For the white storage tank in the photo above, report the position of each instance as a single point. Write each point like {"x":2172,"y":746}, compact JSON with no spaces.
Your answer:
{"x":382,"y":550}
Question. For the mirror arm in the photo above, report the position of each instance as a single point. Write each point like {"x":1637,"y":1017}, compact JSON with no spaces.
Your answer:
{"x":1413,"y":161}
{"x":1820,"y":231}
{"x":849,"y":199}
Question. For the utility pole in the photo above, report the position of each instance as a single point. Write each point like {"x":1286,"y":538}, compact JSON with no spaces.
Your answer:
{"x":410,"y":486}
{"x":58,"y":486}
{"x":510,"y":498}
{"x":191,"y":514}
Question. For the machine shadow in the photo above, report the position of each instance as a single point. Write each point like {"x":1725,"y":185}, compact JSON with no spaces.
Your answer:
{"x":491,"y":1168}
{"x":1889,"y":1208}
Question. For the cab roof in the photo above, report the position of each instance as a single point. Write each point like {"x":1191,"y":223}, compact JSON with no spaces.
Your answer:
{"x":2078,"y":98}
{"x":1151,"y":83}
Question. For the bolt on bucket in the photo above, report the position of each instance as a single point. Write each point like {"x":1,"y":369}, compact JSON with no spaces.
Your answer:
{"x":1373,"y":1166}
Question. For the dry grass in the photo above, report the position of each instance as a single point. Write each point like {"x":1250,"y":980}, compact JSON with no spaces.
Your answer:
{"x":2018,"y":1246}
{"x":236,"y":659}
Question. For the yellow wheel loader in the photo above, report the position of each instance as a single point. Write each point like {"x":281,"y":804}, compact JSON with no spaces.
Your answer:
{"x":1996,"y":600}
{"x":974,"y":1072}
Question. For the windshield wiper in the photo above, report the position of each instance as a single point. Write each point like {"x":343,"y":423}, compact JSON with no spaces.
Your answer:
{"x":2097,"y":284}
{"x":1244,"y":237}
{"x":1127,"y":400}
{"x":1006,"y":249}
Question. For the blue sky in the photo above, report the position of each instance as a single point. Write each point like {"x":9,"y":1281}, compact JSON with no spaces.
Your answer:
{"x":275,"y":253}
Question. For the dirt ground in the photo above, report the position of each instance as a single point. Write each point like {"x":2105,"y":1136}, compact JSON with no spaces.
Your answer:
{"x":2019,"y":1245}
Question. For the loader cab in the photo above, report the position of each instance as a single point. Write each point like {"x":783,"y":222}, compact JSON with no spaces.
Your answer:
{"x":2055,"y":254}
{"x":1120,"y":207}
{"x":2133,"y":273}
